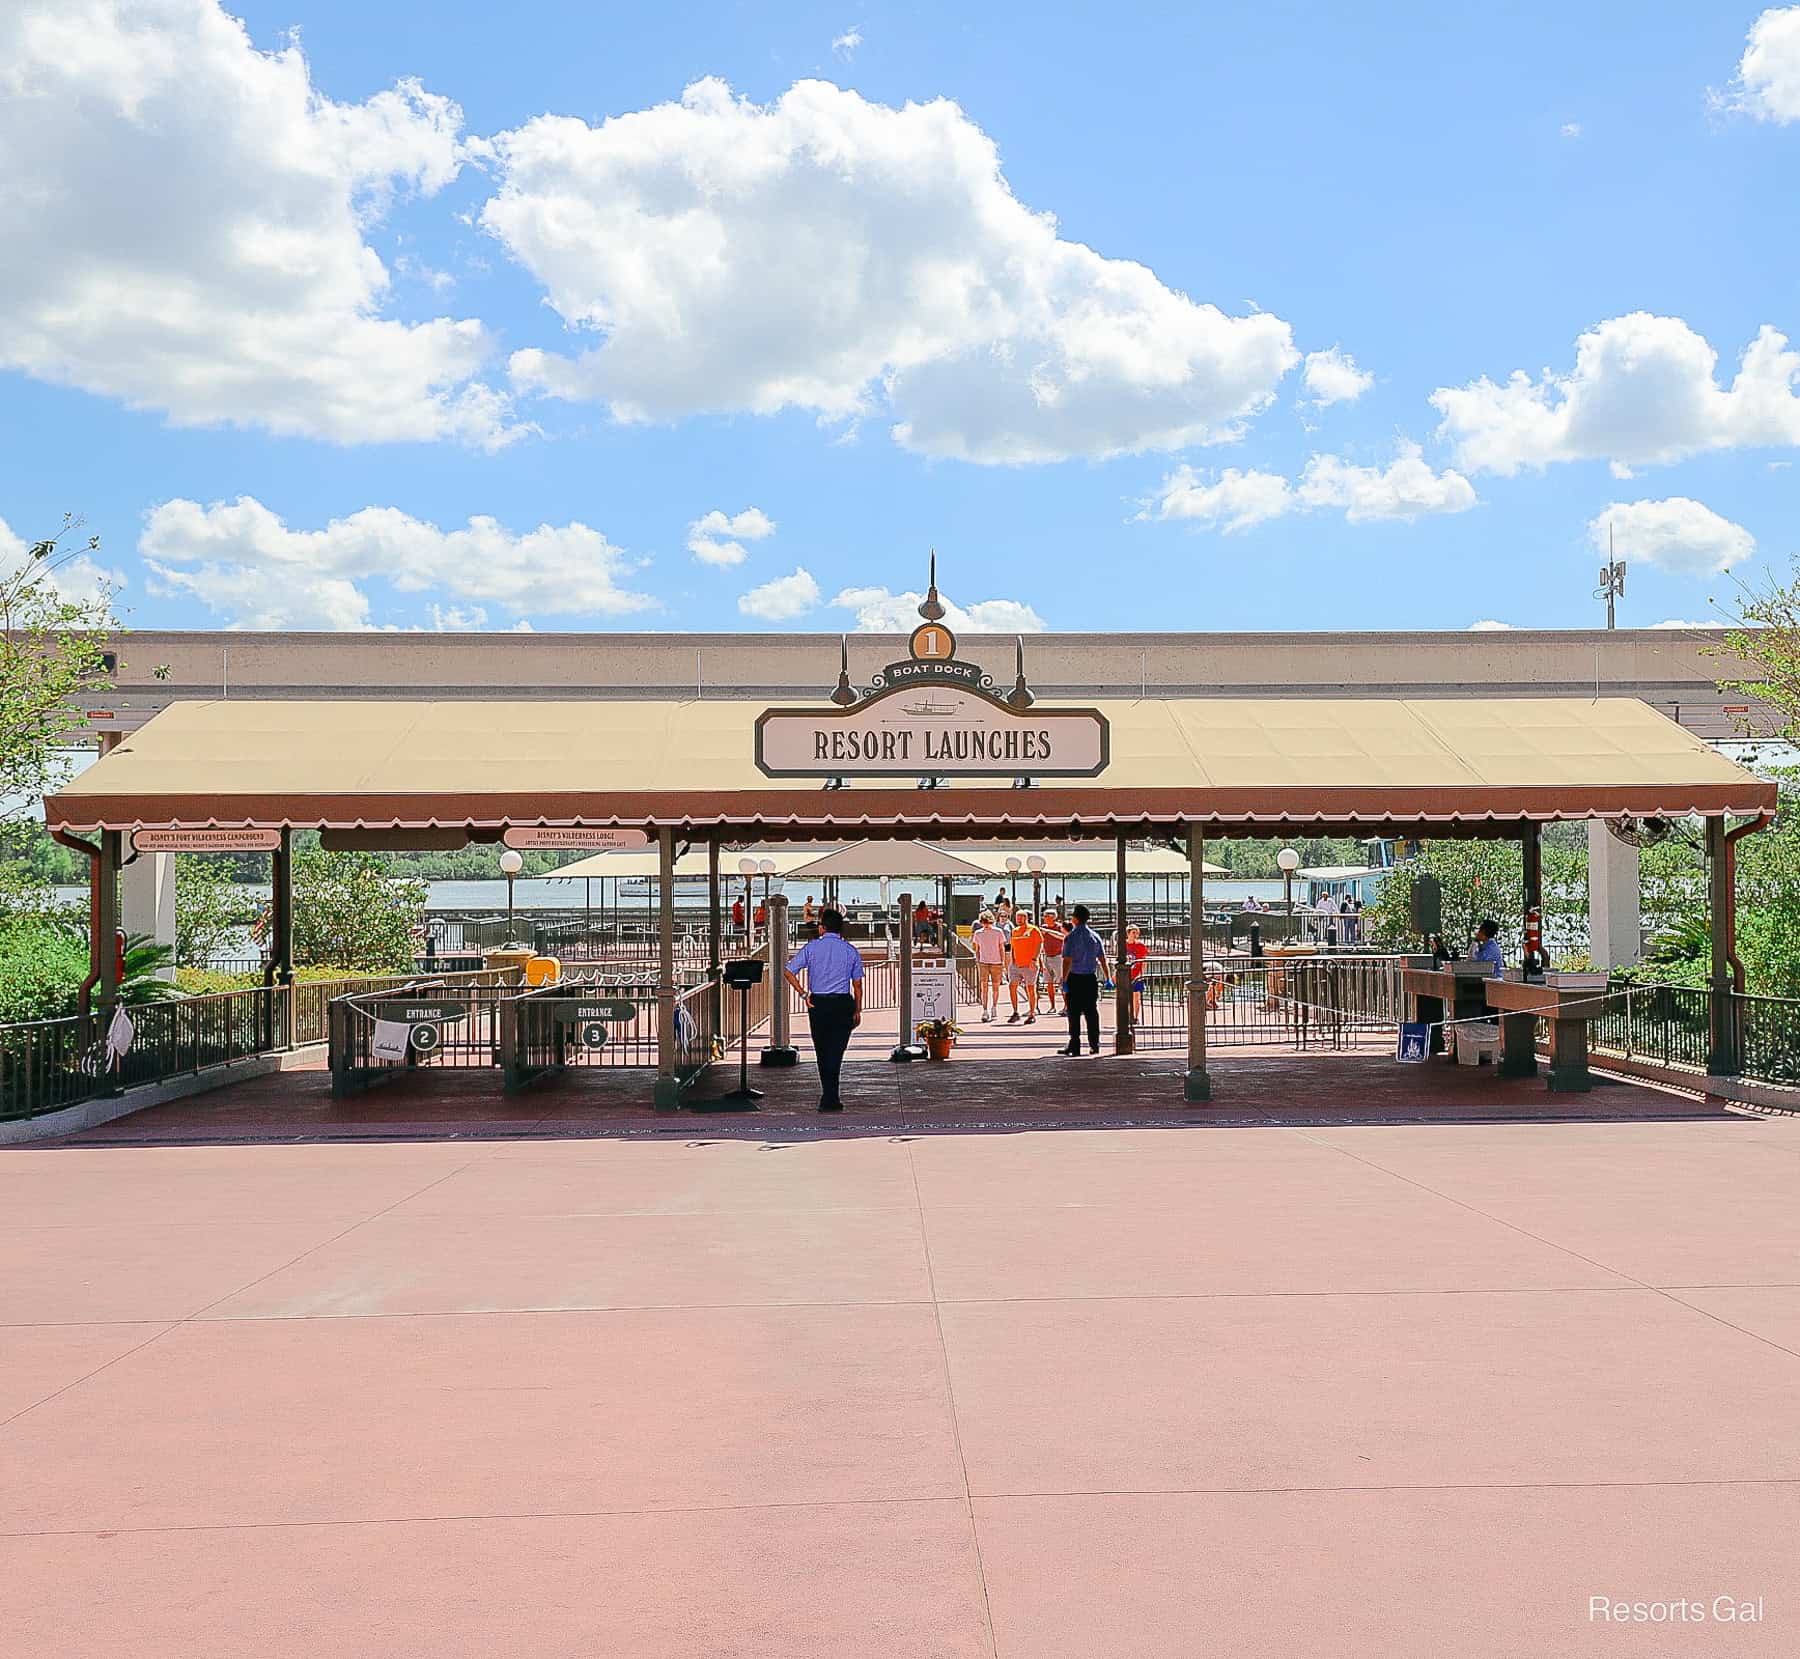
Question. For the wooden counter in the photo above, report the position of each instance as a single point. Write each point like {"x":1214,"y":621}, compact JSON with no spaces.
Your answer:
{"x":1569,"y":1007}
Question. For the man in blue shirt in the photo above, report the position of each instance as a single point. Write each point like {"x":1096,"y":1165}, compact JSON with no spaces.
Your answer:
{"x":1083,"y":962}
{"x":834,"y":993}
{"x":1487,"y":946}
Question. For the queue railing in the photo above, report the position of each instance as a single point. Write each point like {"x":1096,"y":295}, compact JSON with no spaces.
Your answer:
{"x":1301,"y":1002}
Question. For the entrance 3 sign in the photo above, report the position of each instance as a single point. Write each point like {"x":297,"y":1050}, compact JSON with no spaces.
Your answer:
{"x":931,"y":730}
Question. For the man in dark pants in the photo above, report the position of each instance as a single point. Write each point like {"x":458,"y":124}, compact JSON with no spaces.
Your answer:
{"x":834,"y":993}
{"x":1083,"y":962}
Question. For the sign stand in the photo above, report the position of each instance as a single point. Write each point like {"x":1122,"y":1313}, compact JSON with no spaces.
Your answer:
{"x":739,"y":976}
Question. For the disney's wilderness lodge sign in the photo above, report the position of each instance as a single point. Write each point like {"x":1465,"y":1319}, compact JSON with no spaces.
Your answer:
{"x":932,"y":716}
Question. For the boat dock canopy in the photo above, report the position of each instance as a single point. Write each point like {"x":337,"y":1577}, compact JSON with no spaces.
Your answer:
{"x":1225,"y":763}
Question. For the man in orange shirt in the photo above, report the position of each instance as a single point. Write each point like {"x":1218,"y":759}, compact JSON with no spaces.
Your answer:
{"x":1027,"y":944}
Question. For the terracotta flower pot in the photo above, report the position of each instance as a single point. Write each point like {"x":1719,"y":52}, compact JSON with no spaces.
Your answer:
{"x":938,"y":1048}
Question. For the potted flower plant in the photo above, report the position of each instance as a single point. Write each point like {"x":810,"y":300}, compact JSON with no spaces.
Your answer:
{"x":939,"y":1037}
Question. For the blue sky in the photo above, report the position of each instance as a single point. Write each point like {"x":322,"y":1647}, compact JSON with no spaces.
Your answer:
{"x":729,"y":305}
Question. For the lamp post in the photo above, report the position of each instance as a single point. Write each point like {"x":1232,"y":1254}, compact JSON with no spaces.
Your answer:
{"x":1013,"y":867}
{"x":747,"y":869}
{"x":1289,"y":861}
{"x":510,"y":866}
{"x":767,"y":867}
{"x":1036,"y":864}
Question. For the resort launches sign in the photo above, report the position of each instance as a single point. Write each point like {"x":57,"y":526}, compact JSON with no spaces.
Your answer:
{"x":932,"y":717}
{"x":940,"y":732}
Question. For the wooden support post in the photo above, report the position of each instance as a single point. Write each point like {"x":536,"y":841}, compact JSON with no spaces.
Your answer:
{"x":1532,"y":841}
{"x":714,"y":926}
{"x":279,"y":975}
{"x":668,"y":1086}
{"x":1197,"y":1087}
{"x":1124,"y":1038}
{"x":1725,"y":1049}
{"x":106,"y":922}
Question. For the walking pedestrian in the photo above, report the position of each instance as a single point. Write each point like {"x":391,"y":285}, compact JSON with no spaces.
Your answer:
{"x":1083,"y":961}
{"x":1137,"y":953}
{"x":989,"y":942}
{"x":1051,"y":957}
{"x":834,"y":994}
{"x":1027,"y":945}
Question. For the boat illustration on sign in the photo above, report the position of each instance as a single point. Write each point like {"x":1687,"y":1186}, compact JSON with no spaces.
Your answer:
{"x":930,"y":708}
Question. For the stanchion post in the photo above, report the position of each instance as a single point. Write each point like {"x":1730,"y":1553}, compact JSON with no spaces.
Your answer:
{"x":781,"y":1050}
{"x":667,"y":1095}
{"x":1124,"y":1038}
{"x":904,"y":1049}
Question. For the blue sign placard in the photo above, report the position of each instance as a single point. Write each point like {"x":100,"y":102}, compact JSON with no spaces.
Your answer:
{"x":1415,"y":1043}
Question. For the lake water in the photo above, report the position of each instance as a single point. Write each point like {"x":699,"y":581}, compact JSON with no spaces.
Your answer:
{"x":546,"y":893}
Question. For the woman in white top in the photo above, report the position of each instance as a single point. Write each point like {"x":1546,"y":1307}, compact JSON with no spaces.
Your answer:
{"x":989,"y":940}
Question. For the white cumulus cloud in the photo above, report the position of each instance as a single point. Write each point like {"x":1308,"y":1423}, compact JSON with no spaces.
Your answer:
{"x":829,"y":254}
{"x":718,"y":538}
{"x":1768,"y":78}
{"x":846,"y":44}
{"x":1406,"y":488}
{"x":1333,"y":377}
{"x":243,"y":562}
{"x":1642,"y":391}
{"x":1233,"y":501}
{"x":1678,"y":623}
{"x":783,"y":599}
{"x":186,"y":219}
{"x":1489,"y":626}
{"x":879,"y":611}
{"x":1677,"y":534}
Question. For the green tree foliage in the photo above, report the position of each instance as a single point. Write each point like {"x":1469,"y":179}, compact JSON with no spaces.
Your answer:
{"x":1255,"y":859}
{"x":349,"y":911}
{"x":1767,"y":641}
{"x":209,"y":907}
{"x":1768,"y":905}
{"x":1478,"y":879}
{"x":53,"y":642}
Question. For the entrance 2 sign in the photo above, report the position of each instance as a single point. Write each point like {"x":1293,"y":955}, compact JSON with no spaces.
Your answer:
{"x":932,"y":730}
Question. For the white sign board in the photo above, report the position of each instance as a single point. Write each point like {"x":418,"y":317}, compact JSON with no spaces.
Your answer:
{"x":576,"y":835}
{"x":206,"y":840}
{"x":931,"y":730}
{"x":933,"y":992}
{"x":390,"y":1040}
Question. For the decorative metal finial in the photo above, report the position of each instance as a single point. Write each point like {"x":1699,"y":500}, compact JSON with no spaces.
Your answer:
{"x":1020,"y":697}
{"x":931,"y":607}
{"x":845,"y":694}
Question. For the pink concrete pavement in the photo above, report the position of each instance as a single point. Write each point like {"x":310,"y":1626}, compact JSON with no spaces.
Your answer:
{"x":1103,"y":1393}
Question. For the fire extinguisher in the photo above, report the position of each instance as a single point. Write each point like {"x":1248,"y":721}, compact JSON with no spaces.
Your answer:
{"x":1534,"y":944}
{"x":119,"y":957}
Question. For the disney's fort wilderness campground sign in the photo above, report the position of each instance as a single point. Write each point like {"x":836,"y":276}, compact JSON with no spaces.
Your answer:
{"x":932,"y":716}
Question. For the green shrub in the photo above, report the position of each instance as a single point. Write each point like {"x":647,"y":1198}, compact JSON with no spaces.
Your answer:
{"x":42,"y":965}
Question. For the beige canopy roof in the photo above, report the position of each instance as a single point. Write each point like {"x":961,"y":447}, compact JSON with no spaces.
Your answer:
{"x":1096,"y":858}
{"x":637,"y":865}
{"x":1224,"y":762}
{"x":869,"y":860}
